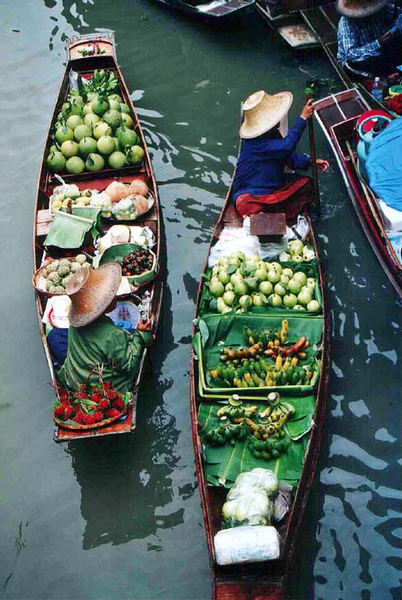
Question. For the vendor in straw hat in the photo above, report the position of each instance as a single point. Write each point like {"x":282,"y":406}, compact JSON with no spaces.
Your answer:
{"x":93,"y":338}
{"x":369,"y":37}
{"x":260,"y":171}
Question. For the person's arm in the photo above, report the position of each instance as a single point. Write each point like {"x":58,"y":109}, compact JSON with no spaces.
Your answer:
{"x":299,"y":162}
{"x":394,"y":18}
{"x":349,"y":48}
{"x":280,"y":148}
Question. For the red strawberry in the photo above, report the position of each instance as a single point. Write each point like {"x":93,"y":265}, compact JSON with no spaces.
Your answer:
{"x":83,"y":395}
{"x":89,"y":419}
{"x":98,"y":416}
{"x":103,"y":403}
{"x":111,"y":394}
{"x":95,"y":397}
{"x":118,"y":404}
{"x":68,"y":411}
{"x":79,"y":417}
{"x":113,"y":412}
{"x":107,"y":385}
{"x":59,"y":411}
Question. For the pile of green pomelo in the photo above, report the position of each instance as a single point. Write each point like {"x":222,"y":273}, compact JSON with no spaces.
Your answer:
{"x":94,"y":136}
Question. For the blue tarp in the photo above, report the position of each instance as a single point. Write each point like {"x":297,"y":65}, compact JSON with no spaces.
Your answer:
{"x":384,"y":165}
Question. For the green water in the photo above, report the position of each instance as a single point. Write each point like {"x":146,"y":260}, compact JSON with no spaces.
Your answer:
{"x":121,"y":519}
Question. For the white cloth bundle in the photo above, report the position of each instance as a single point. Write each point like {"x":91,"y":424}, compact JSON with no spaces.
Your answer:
{"x":246,"y":544}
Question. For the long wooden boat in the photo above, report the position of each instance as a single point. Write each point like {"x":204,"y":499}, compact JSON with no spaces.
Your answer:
{"x":337,"y":115}
{"x":213,"y":10}
{"x":85,"y":55}
{"x":286,"y":18}
{"x":259,"y":580}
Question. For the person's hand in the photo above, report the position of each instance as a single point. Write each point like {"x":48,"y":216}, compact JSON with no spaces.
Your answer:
{"x":322,"y":164}
{"x":308,"y":110}
{"x":144,"y":325}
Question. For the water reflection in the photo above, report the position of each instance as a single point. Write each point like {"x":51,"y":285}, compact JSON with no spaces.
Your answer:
{"x":126,"y":481}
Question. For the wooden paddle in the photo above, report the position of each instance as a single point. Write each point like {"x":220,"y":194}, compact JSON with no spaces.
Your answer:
{"x":311,"y":137}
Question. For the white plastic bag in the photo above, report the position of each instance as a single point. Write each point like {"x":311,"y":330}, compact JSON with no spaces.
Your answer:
{"x":252,"y":507}
{"x":249,"y":501}
{"x":259,"y":478}
{"x":233,"y":239}
{"x":298,"y":231}
{"x":246,"y":544}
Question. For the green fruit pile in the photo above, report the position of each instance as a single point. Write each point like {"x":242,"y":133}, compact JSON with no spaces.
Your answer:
{"x":93,"y":131}
{"x":239,"y":283}
{"x":59,"y":272}
{"x":297,"y":252}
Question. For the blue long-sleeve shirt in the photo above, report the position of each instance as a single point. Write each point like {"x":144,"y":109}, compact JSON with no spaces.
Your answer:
{"x":261,"y":164}
{"x":358,"y":39}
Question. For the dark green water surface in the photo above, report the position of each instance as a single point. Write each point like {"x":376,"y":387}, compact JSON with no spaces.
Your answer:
{"x":121,"y":518}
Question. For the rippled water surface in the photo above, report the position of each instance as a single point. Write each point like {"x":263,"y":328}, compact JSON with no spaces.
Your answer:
{"x":121,"y":518}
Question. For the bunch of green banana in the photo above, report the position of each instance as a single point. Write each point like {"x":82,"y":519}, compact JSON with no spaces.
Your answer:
{"x":226,"y":432}
{"x":269,"y":448}
{"x":235,"y":410}
{"x":102,"y":82}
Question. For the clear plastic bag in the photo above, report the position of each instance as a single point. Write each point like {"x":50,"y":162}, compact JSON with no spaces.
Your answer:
{"x":263,"y":479}
{"x":232,"y":240}
{"x":252,"y":507}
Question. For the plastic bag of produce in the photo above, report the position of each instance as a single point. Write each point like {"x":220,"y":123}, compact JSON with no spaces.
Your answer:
{"x":124,"y":210}
{"x":246,"y":544}
{"x":249,"y":501}
{"x":252,"y":507}
{"x":232,"y":240}
{"x":263,"y":479}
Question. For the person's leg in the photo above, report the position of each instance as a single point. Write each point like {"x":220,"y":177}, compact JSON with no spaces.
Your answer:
{"x":57,"y":340}
{"x":291,"y":198}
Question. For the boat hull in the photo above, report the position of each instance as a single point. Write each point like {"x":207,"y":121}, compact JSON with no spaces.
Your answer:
{"x":266,"y":580}
{"x":337,"y":116}
{"x":97,"y":180}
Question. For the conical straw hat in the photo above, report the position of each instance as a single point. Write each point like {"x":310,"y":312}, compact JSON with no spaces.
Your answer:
{"x":263,"y":111}
{"x":360,"y":8}
{"x":91,"y":292}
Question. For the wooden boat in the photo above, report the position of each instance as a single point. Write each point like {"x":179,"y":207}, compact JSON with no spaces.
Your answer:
{"x":286,"y":18}
{"x":208,"y":9}
{"x":322,"y":22}
{"x":264,"y":580}
{"x":337,"y":116}
{"x":85,"y":54}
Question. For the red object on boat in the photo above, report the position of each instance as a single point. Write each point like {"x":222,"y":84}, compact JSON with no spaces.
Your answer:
{"x":291,"y":199}
{"x":370,"y":113}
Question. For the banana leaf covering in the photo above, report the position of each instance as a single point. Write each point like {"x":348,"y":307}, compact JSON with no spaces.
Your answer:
{"x":214,"y":332}
{"x":224,"y":463}
{"x":70,"y":231}
{"x":309,"y":268}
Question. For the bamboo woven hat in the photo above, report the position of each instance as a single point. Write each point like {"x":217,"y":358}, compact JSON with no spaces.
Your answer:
{"x":91,"y":292}
{"x":263,"y":111}
{"x":360,"y":8}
